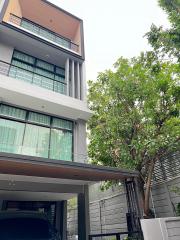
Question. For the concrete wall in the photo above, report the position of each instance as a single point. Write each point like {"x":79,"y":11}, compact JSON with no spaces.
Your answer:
{"x":107,"y":209}
{"x":3,"y":6}
{"x":13,"y":7}
{"x":72,"y":223}
{"x":6,"y":52}
{"x":80,"y":144}
{"x":161,"y":228}
{"x":165,"y":200}
{"x":40,"y":99}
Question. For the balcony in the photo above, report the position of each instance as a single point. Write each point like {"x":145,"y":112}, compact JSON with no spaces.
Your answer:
{"x":43,"y":33}
{"x":33,"y":78}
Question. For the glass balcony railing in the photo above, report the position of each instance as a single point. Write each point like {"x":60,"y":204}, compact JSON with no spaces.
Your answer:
{"x":33,"y":78}
{"x":44,"y":33}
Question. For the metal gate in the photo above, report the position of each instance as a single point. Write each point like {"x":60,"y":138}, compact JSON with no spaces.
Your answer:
{"x":133,"y":216}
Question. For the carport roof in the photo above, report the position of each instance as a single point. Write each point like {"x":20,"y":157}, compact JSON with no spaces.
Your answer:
{"x":41,"y":167}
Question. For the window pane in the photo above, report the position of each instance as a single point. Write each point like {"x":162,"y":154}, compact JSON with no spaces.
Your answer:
{"x":29,"y":26}
{"x":60,"y":71}
{"x":46,"y":34}
{"x":11,"y":136}
{"x":36,"y":141}
{"x":44,"y":73}
{"x":37,"y":80}
{"x":60,"y":123}
{"x":12,"y":112}
{"x":22,"y":65}
{"x":59,"y":78}
{"x":21,"y":74}
{"x":39,"y":118}
{"x":63,"y":42}
{"x":61,"y":145}
{"x":45,"y":82}
{"x":60,"y":87}
{"x":24,"y":57}
{"x":45,"y":65}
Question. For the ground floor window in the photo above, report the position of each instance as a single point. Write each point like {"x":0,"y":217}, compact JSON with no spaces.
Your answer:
{"x":34,"y":134}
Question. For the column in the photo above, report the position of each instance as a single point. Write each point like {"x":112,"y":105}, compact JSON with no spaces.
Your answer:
{"x":72,"y":78}
{"x":61,"y":219}
{"x":83,"y":214}
{"x":3,"y":6}
{"x":67,"y":76}
{"x":78,"y":81}
{"x":83,"y":82}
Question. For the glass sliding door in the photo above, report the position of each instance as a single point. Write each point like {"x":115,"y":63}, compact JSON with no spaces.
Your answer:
{"x":11,"y":136}
{"x":36,"y":141}
{"x":35,"y":134}
{"x":61,"y":145}
{"x":38,"y":72}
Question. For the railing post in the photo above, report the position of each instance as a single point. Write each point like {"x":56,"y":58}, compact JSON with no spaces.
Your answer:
{"x":72,"y":79}
{"x":67,"y":76}
{"x":118,"y":236}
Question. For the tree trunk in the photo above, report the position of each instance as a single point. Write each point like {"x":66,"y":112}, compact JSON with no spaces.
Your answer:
{"x":147,"y":190}
{"x":141,"y":191}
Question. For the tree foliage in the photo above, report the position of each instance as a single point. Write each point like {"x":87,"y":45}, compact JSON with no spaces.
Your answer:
{"x":136,"y":110}
{"x":167,"y":41}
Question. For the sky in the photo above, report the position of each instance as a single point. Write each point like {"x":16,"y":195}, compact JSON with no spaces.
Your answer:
{"x":113,"y":28}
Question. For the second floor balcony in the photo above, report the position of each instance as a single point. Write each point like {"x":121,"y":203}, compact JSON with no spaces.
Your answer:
{"x":36,"y":77}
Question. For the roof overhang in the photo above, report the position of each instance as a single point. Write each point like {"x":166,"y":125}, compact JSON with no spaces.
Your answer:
{"x":40,"y":167}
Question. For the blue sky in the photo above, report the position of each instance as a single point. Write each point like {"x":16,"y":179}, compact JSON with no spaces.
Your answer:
{"x":113,"y":28}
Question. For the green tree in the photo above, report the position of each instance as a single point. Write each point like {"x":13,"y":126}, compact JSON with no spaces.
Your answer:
{"x":135,"y":119}
{"x":167,"y":41}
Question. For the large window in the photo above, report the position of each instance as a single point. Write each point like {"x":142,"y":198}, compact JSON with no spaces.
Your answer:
{"x":34,"y":134}
{"x":38,"y":72}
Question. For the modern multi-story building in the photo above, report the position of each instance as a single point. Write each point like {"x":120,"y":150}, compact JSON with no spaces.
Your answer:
{"x":42,"y":58}
{"x":43,"y":112}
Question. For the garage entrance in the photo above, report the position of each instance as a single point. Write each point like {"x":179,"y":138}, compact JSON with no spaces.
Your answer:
{"x":28,"y":183}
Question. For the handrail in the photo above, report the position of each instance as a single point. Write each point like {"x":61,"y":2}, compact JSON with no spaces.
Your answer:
{"x":72,"y":44}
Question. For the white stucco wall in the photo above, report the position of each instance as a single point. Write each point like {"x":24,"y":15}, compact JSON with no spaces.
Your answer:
{"x":80,"y":144}
{"x":31,"y":96}
{"x":2,"y":3}
{"x":161,"y":228}
{"x":6,"y":52}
